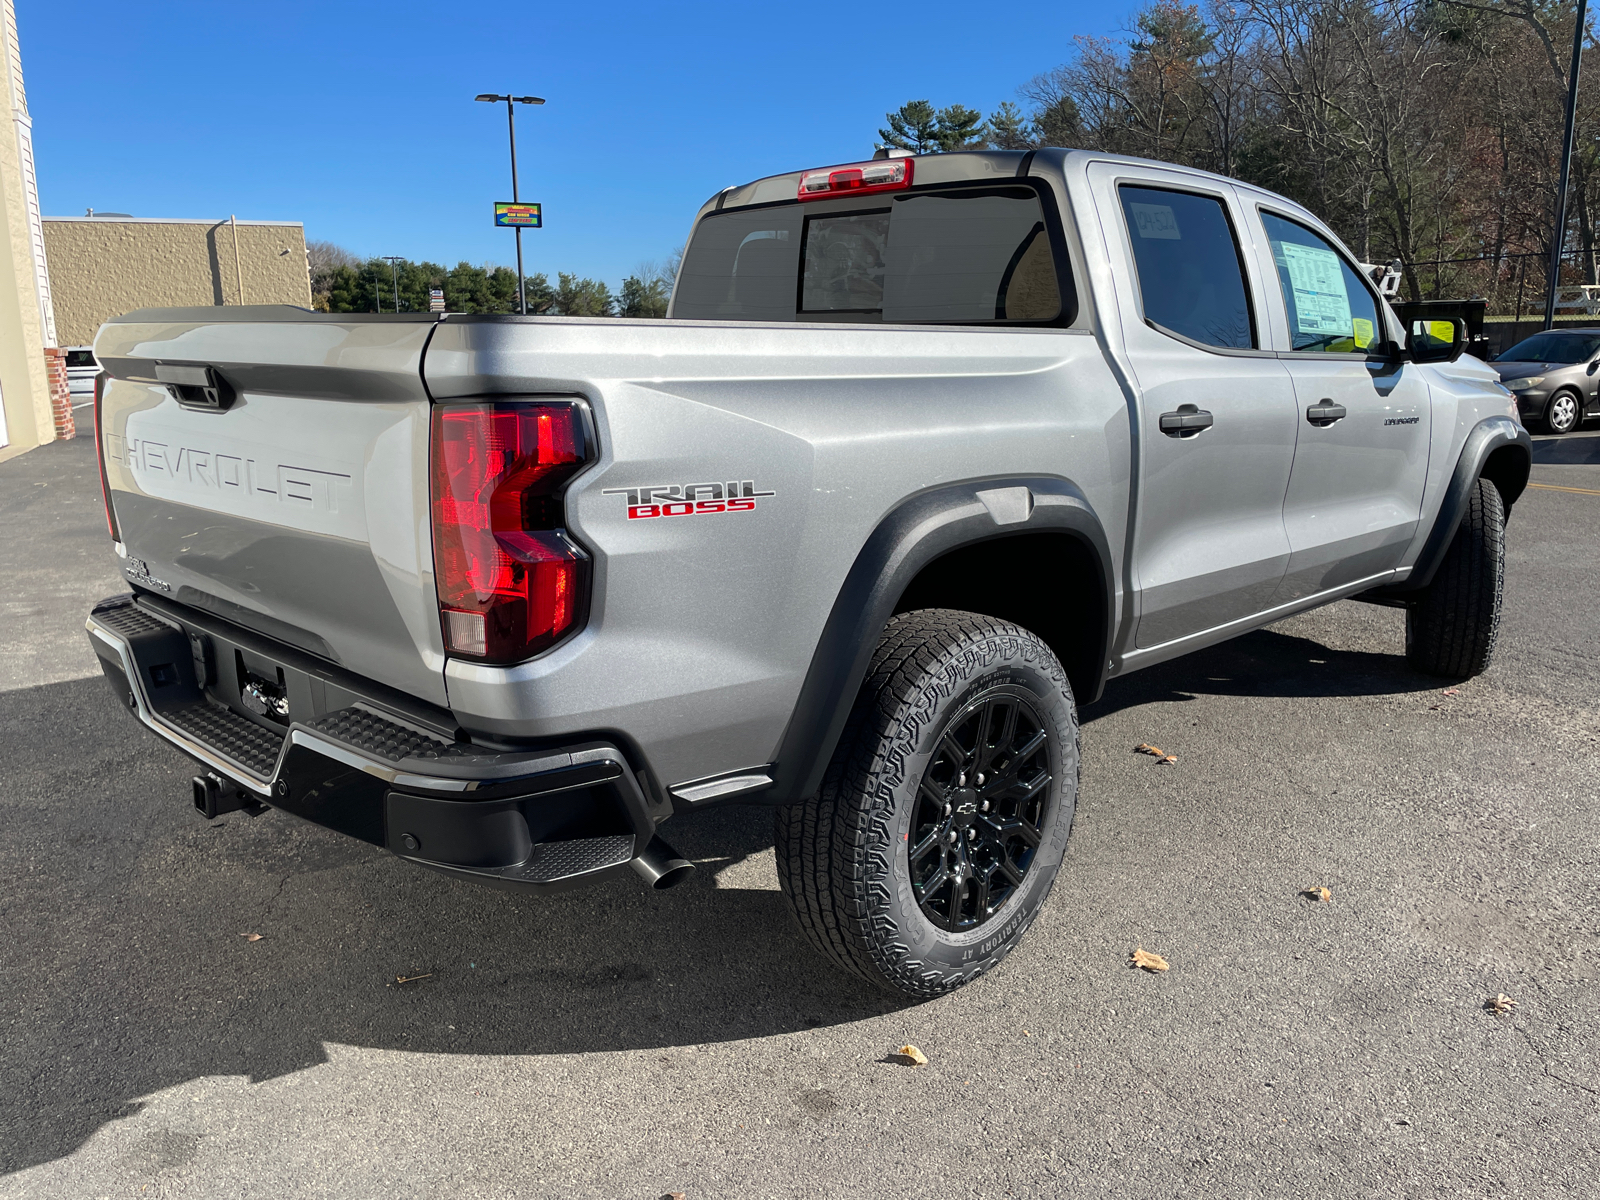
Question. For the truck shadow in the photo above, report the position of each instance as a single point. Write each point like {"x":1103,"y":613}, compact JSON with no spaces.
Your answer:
{"x":1264,"y":663}
{"x":1568,"y":450}
{"x":127,"y":972}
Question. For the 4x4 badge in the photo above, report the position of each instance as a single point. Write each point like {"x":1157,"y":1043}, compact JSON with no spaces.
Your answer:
{"x":689,"y":499}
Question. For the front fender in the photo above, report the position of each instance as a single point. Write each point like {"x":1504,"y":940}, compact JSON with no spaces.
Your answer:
{"x":1497,"y":448}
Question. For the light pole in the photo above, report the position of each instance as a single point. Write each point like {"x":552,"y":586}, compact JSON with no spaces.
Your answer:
{"x":1557,"y":244}
{"x":511,"y":125}
{"x":394,"y":276}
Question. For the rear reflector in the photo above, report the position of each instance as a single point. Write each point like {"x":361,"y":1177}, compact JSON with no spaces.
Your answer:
{"x":880,"y":175}
{"x":510,"y":581}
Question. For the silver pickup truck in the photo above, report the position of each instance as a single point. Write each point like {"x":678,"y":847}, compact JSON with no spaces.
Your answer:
{"x":928,"y":449}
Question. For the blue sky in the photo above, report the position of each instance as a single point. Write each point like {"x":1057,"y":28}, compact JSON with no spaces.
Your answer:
{"x":357,"y":119}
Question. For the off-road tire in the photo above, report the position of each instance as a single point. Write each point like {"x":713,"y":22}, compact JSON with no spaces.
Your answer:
{"x":843,"y":855}
{"x":1451,"y":630}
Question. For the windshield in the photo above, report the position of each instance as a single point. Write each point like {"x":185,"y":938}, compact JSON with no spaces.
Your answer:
{"x":1554,"y":348}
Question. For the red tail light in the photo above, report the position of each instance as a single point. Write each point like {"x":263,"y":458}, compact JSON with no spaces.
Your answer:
{"x":510,"y":582}
{"x":880,"y":175}
{"x":100,"y":455}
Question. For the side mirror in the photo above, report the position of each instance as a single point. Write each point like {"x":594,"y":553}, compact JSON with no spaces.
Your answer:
{"x":1436,"y":341}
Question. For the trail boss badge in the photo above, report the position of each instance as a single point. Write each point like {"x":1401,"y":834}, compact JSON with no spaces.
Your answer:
{"x":689,"y":499}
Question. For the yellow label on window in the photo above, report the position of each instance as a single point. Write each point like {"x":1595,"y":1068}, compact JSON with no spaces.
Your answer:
{"x":1363,"y":332}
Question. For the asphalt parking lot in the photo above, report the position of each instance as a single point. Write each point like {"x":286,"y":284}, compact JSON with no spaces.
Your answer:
{"x":619,"y":1043}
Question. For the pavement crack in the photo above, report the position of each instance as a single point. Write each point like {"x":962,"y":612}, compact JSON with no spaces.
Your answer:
{"x":272,"y":903}
{"x":1544,"y":1064}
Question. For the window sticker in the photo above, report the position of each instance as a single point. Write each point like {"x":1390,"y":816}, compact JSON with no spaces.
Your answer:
{"x":1321,"y":303}
{"x":1156,"y":221}
{"x":1363,"y":332}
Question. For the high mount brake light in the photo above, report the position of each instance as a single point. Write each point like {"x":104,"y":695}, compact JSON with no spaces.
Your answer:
{"x":510,"y":583}
{"x":100,"y":455}
{"x":879,"y":175}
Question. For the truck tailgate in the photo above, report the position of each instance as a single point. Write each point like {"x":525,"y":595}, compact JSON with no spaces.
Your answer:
{"x":300,"y":510}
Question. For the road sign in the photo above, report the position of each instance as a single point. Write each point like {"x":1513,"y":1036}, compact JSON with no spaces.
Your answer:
{"x":436,"y":300}
{"x":509,"y":215}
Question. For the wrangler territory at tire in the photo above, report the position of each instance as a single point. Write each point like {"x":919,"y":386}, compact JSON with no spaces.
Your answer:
{"x":945,"y":812}
{"x":1451,"y":631}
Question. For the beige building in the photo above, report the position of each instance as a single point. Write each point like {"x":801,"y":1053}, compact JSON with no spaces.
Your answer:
{"x":103,"y":266}
{"x":31,"y":411}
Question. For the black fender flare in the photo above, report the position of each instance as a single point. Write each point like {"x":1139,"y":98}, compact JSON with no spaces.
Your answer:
{"x":913,"y":534}
{"x":1499,"y":438}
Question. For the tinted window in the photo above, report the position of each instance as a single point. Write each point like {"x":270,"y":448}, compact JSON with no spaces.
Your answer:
{"x":977,"y":257}
{"x":965,"y":258}
{"x":844,"y":263}
{"x":1190,"y":277}
{"x":1554,"y":348}
{"x":80,"y":358}
{"x":742,"y":267}
{"x":1330,"y":309}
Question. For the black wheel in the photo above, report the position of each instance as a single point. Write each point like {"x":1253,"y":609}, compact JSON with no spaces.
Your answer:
{"x":944,"y":815}
{"x":1563,"y":412}
{"x":1451,"y":630}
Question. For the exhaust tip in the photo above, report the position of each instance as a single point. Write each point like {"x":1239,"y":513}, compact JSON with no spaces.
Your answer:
{"x":662,"y":867}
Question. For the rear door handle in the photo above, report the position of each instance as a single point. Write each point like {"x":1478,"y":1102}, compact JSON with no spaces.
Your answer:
{"x":1186,"y":422}
{"x":1325,"y":412}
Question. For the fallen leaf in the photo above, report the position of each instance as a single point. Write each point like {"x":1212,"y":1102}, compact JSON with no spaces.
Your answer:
{"x":1167,"y":758}
{"x":675,"y":1196}
{"x":1150,"y":962}
{"x":910,"y":1056}
{"x":1501,"y":1005}
{"x":1147,"y":748}
{"x":1025,"y":1033}
{"x":1318,"y":893}
{"x":412,"y":978}
{"x":1452,"y":691}
{"x":251,"y":937}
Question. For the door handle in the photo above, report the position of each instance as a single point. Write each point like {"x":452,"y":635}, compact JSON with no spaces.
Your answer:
{"x":1186,"y":422}
{"x":1325,"y":412}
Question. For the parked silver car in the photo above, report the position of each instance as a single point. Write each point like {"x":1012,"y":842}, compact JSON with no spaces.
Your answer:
{"x":81,"y":370}
{"x":1555,"y":375}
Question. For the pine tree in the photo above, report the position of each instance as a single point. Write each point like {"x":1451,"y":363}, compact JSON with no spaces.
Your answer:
{"x":913,"y":127}
{"x":1009,"y":129}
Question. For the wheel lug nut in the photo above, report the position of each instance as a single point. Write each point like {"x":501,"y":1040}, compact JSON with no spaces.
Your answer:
{"x":980,"y":778}
{"x":947,"y":810}
{"x":972,"y":835}
{"x":985,"y":806}
{"x":951,"y":837}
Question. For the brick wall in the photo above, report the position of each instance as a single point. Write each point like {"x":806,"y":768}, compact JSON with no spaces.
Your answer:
{"x":55,"y":366}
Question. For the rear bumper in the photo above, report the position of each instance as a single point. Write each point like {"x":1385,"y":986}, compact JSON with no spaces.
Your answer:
{"x":543,"y":819}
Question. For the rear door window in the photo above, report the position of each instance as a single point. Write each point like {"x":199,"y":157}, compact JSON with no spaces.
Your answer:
{"x":975,"y":256}
{"x":1191,"y":276}
{"x":1330,"y":309}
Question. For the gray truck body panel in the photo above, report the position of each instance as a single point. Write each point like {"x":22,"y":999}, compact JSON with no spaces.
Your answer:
{"x":723,"y":650}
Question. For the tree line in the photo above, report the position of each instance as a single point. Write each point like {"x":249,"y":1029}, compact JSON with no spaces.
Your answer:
{"x":343,"y":283}
{"x":1427,"y":131}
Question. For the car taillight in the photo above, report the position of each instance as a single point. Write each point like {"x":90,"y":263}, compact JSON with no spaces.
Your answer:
{"x":510,"y":582}
{"x":100,"y":455}
{"x":880,"y":175}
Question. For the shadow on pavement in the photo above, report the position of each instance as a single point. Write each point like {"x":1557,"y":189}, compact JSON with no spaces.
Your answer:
{"x":127,"y":972}
{"x":1573,"y":449}
{"x":1263,"y":663}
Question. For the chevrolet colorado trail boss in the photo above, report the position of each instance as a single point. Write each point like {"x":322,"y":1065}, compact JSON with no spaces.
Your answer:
{"x":927,"y":450}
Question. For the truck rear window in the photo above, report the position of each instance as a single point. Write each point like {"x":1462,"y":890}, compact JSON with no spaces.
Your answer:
{"x":968,"y":257}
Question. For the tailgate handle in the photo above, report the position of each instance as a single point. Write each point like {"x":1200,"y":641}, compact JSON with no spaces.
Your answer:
{"x":196,"y":387}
